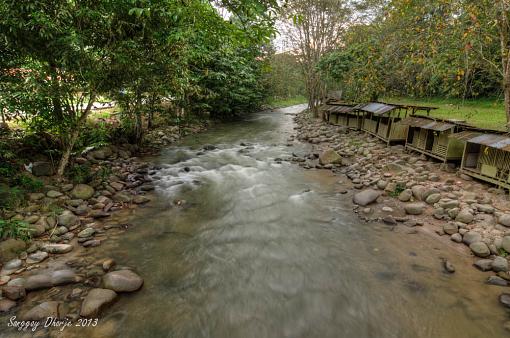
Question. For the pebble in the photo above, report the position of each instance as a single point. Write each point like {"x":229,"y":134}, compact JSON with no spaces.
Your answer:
{"x":122,"y":281}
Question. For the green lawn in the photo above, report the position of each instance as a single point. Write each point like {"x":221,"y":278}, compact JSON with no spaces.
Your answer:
{"x":484,"y":113}
{"x":292,"y":101}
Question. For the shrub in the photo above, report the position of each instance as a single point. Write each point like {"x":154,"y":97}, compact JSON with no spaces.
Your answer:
{"x":11,"y":197}
{"x":80,"y":173}
{"x":14,"y":229}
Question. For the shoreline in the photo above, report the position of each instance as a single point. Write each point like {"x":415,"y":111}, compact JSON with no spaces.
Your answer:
{"x":397,"y":188}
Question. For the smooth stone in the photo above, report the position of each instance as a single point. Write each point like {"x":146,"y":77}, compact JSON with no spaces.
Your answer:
{"x":464,"y":216}
{"x":483,"y":264}
{"x":68,"y":219}
{"x":504,"y":219}
{"x":37,"y":282}
{"x":450,"y":228}
{"x":480,"y":249}
{"x":471,"y":237}
{"x":37,"y":257}
{"x":505,"y":243}
{"x":457,"y":238}
{"x":14,"y":292}
{"x":57,"y":248}
{"x":449,"y":266}
{"x":504,"y":299}
{"x":500,"y":264}
{"x":433,"y":198}
{"x":87,"y":232}
{"x":414,"y":208}
{"x":82,"y":191}
{"x":122,"y":281}
{"x":366,"y":197}
{"x":406,"y":195}
{"x":496,"y":280}
{"x":54,"y":194}
{"x":95,"y":301}
{"x":6,"y":305}
{"x":140,"y":199}
{"x":43,"y":311}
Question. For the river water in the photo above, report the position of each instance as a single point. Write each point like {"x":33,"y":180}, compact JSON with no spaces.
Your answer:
{"x":238,"y":245}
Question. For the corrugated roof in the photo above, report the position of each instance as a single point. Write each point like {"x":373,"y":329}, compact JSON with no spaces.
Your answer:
{"x":498,"y":141}
{"x":427,"y":123}
{"x":338,"y":109}
{"x":465,"y":135}
{"x":377,"y":108}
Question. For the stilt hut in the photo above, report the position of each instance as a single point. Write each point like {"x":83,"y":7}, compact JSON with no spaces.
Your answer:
{"x":431,"y":137}
{"x":486,"y":156}
{"x":380,"y":120}
{"x":343,"y":114}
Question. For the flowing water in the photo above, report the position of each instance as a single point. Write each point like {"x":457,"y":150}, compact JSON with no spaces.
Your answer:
{"x":239,"y":245}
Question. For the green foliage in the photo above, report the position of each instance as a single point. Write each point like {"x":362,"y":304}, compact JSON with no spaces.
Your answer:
{"x":80,"y":173}
{"x":103,"y":174}
{"x":28,"y":183}
{"x":398,"y":190}
{"x":285,"y":78}
{"x":502,"y":252}
{"x":14,"y":229}
{"x":11,"y":197}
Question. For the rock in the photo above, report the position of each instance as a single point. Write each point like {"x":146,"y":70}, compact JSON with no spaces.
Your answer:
{"x":448,"y":266}
{"x":414,"y":208}
{"x":68,"y":219}
{"x":140,"y":199}
{"x":42,"y":169}
{"x":471,"y":237}
{"x":450,"y":228}
{"x":390,"y":220}
{"x":433,"y":198}
{"x":381,"y":184}
{"x":6,"y":305}
{"x":37,"y":257}
{"x":57,"y":248}
{"x":406,"y":195}
{"x":32,"y":219}
{"x":480,"y":249}
{"x":464,"y":216}
{"x":500,"y":264}
{"x":87,"y":232}
{"x":4,"y":280}
{"x":10,"y":248}
{"x":122,"y":281}
{"x":108,"y":264}
{"x":37,"y":282}
{"x":122,"y":197}
{"x":117,"y":185}
{"x":505,"y":243}
{"x":54,"y":194}
{"x":483,"y":264}
{"x":366,"y":197}
{"x":504,"y":219}
{"x":13,"y":264}
{"x":96,"y":300}
{"x":14,"y":292}
{"x":457,"y":238}
{"x":330,"y":157}
{"x":43,"y":311}
{"x":98,"y":214}
{"x":36,"y":196}
{"x":62,"y":277}
{"x":92,"y":243}
{"x":495,"y":280}
{"x":504,"y":299}
{"x":82,"y":191}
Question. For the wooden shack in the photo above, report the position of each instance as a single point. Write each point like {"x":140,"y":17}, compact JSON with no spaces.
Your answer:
{"x":431,"y":137}
{"x":380,"y":120}
{"x":339,"y":113}
{"x":486,"y":155}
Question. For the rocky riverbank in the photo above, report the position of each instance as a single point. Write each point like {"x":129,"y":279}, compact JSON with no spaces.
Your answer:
{"x":58,"y":273}
{"x":420,"y":195}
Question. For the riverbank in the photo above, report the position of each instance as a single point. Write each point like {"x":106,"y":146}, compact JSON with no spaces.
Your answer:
{"x":402,"y":189}
{"x":61,"y":272}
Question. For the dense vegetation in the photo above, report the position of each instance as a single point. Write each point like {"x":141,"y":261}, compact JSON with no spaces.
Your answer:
{"x":425,"y":48}
{"x":173,"y":57}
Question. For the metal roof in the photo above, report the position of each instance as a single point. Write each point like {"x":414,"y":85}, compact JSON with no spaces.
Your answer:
{"x":425,"y":123}
{"x":338,"y":109}
{"x":498,"y":141}
{"x":377,"y":108}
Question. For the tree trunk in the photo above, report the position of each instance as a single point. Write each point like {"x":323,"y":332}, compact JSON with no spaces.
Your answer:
{"x":506,"y":90}
{"x":75,"y":132}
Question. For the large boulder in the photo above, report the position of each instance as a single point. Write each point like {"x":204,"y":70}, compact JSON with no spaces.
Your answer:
{"x":504,"y":219}
{"x":82,"y":191}
{"x":330,"y":157}
{"x":366,"y":197}
{"x":96,"y":300}
{"x":122,"y":281}
{"x":42,"y":169}
{"x":500,"y":264}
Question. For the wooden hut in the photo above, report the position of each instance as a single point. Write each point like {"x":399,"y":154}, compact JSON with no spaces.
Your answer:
{"x":431,"y":137}
{"x":342,"y":114}
{"x":380,"y":120}
{"x":486,"y":155}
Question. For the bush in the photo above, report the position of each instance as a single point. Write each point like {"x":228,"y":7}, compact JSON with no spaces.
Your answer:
{"x":28,"y":183}
{"x":80,"y":173}
{"x":14,"y":229}
{"x":11,"y":197}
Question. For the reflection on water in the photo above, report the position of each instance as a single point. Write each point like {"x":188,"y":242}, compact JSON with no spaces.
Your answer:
{"x":258,"y":248}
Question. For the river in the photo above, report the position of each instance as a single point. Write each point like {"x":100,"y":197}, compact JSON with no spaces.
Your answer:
{"x":240,"y":245}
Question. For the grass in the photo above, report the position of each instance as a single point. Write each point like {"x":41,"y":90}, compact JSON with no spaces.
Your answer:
{"x":483,"y":113}
{"x":287,"y":102}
